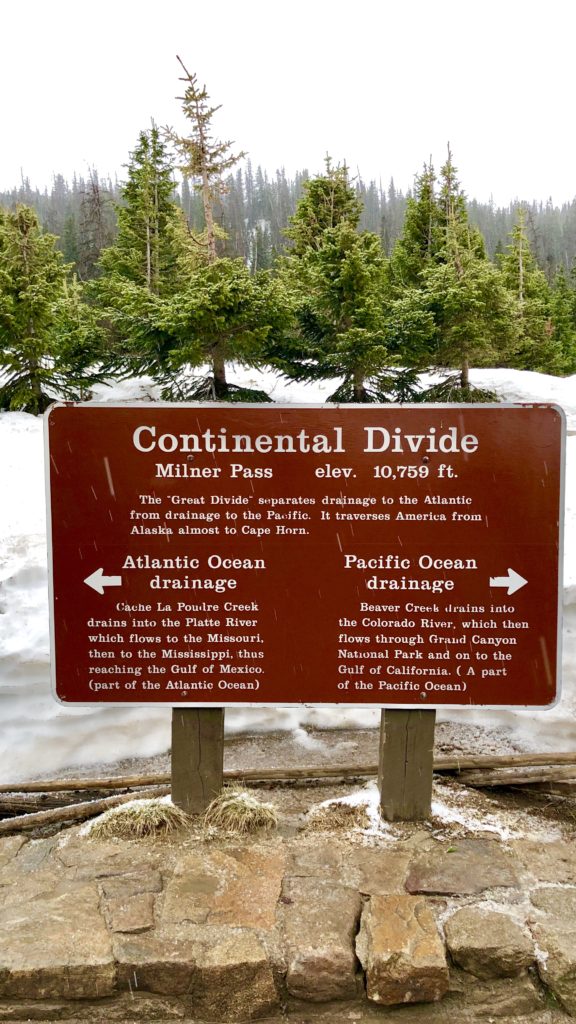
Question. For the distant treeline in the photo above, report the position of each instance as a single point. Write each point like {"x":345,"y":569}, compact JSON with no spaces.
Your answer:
{"x":255,"y":209}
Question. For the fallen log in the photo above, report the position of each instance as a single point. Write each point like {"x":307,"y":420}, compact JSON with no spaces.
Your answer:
{"x":441,"y":764}
{"x":449,"y":764}
{"x":29,"y":803}
{"x":515,"y":777}
{"x":75,"y":812}
{"x":76,"y":785}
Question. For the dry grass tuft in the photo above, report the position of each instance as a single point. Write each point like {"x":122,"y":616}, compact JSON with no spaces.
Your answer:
{"x":337,"y":817}
{"x":235,"y":811}
{"x":138,"y":820}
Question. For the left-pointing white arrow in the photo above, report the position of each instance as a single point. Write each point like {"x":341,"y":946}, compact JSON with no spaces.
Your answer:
{"x":97,"y":580}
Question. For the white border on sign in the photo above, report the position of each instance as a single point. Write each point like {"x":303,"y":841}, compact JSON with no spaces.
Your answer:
{"x":423,"y":705}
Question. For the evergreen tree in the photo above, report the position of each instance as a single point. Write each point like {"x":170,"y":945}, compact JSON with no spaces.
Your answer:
{"x":191,"y":203}
{"x":393,"y":210}
{"x":224,"y":307}
{"x":473,"y":319}
{"x":70,"y":240}
{"x":337,"y":279}
{"x":371,"y":203}
{"x":456,"y":227}
{"x":96,"y":224}
{"x":538,"y":345}
{"x":169,"y":306}
{"x":81,"y":341}
{"x":151,"y":235}
{"x":35,"y":365}
{"x":563,"y":314}
{"x":456,"y":301}
{"x":327,"y":201}
{"x":150,"y":260}
{"x":186,"y":199}
{"x":422,"y":236}
{"x":204,"y":160}
{"x":472,"y":309}
{"x":232,"y":219}
{"x":261,"y":251}
{"x":342,"y":316}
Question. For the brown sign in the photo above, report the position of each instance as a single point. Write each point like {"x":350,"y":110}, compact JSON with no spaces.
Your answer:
{"x":284,"y":554}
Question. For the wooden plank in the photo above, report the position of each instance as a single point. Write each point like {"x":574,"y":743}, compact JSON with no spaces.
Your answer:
{"x":197,"y":757}
{"x":406,"y":762}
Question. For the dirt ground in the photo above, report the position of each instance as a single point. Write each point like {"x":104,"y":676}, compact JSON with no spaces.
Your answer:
{"x":310,"y":746}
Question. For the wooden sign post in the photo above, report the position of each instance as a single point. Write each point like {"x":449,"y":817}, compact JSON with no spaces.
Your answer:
{"x":197,"y":758}
{"x":405,"y":764}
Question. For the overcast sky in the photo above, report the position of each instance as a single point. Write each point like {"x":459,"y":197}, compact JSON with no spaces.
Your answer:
{"x":381,"y":85}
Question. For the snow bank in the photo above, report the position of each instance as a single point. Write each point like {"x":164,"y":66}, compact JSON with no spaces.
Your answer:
{"x":39,"y":737}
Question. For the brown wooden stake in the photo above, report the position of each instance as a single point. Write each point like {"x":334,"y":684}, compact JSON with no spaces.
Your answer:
{"x":406,"y":761}
{"x":197,"y":757}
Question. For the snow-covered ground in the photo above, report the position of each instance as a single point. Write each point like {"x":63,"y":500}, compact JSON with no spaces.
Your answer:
{"x":38,"y":736}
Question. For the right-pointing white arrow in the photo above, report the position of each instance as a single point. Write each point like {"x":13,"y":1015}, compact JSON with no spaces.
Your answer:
{"x":97,"y":580}
{"x":513,"y":581}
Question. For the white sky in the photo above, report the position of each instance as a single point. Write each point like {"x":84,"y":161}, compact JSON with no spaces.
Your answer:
{"x":381,"y":85}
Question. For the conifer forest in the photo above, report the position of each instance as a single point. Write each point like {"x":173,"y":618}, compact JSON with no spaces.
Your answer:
{"x":195,"y":261}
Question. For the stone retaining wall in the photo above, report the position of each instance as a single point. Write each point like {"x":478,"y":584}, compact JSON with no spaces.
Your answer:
{"x":462,"y":930}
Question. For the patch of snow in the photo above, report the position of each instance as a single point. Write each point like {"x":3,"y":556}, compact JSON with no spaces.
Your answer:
{"x":244,"y":796}
{"x":472,"y":822}
{"x":516,"y":906}
{"x":369,"y":798}
{"x":308,"y":741}
{"x":541,"y":955}
{"x":454,"y":807}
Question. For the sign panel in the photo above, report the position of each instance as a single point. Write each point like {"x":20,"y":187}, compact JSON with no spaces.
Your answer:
{"x":376,"y":555}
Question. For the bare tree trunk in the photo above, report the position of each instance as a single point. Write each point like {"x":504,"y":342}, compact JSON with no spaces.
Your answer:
{"x":209,"y":217}
{"x":465,"y":374}
{"x":521,"y":275}
{"x":207,"y":160}
{"x":155,"y":248}
{"x":148,"y":259}
{"x":359,"y":393}
{"x":33,"y":365}
{"x":219,"y":371}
